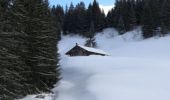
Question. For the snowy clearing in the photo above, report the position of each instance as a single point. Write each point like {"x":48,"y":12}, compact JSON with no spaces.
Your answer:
{"x":136,"y":70}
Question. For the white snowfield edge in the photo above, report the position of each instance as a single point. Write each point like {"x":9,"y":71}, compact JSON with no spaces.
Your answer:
{"x":137,"y":70}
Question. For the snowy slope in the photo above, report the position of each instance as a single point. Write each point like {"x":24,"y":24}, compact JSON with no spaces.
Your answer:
{"x":136,"y":70}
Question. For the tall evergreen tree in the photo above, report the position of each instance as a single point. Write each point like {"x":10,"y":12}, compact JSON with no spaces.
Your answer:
{"x":28,"y":54}
{"x":42,"y":39}
{"x":81,"y":22}
{"x":165,"y":16}
{"x":131,"y":15}
{"x":58,"y":18}
{"x":91,"y":39}
{"x":138,"y":9}
{"x":111,"y":18}
{"x":13,"y":67}
{"x":96,"y":15}
{"x":148,"y":20}
{"x":70,"y":20}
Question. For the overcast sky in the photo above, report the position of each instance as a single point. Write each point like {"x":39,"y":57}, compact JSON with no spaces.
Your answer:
{"x":67,"y":2}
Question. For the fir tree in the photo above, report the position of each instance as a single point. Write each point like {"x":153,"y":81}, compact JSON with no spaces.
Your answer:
{"x":58,"y":18}
{"x":81,"y":22}
{"x":165,"y":16}
{"x":148,"y":20}
{"x":91,"y":40}
{"x":28,"y":54}
{"x":13,"y":67}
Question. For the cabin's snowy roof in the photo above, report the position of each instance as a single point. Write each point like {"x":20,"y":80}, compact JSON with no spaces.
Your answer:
{"x":93,"y":50}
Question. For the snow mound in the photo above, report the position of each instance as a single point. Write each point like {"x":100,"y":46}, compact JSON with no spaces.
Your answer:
{"x":134,"y":35}
{"x":39,"y":97}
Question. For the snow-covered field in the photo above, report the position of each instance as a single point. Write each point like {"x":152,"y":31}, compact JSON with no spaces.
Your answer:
{"x":136,"y":69}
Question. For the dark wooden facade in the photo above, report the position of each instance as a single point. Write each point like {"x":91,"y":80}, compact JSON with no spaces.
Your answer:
{"x":78,"y":51}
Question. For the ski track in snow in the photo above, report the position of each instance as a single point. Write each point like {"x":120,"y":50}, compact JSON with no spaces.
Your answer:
{"x":79,"y":79}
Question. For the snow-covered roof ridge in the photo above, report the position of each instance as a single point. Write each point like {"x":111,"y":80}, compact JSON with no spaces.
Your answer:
{"x":90,"y":49}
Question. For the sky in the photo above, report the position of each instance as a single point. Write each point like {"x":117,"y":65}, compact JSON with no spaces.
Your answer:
{"x":67,"y":2}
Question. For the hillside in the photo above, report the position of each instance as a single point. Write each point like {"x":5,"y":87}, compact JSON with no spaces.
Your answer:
{"x":136,"y":69}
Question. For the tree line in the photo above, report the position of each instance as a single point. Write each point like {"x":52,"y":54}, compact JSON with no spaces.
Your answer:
{"x":28,"y":48}
{"x":151,"y":15}
{"x":77,"y":19}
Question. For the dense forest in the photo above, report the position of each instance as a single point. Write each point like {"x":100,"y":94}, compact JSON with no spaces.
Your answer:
{"x":28,"y":52}
{"x":151,"y":15}
{"x":30,"y":31}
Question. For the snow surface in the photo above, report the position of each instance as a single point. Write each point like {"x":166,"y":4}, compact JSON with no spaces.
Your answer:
{"x":33,"y":97}
{"x":93,"y":50}
{"x":137,"y":70}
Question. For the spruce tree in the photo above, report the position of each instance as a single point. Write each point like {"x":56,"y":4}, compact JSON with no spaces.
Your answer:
{"x":165,"y":16}
{"x":147,"y":20}
{"x":42,"y":40}
{"x":58,"y":18}
{"x":13,"y":67}
{"x":81,"y":22}
{"x":138,"y":9}
{"x":91,"y":39}
{"x":70,"y":20}
{"x":111,"y":18}
{"x":132,"y":20}
{"x":28,"y":54}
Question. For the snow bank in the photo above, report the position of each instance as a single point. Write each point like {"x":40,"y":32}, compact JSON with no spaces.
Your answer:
{"x":42,"y":97}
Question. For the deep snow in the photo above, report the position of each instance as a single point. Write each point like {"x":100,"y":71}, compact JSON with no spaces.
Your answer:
{"x":136,"y":70}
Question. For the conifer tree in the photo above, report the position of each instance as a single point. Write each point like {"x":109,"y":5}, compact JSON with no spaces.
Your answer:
{"x":28,"y":54}
{"x":147,"y":20}
{"x":58,"y":18}
{"x":13,"y":67}
{"x":91,"y":40}
{"x":70,"y":20}
{"x":42,"y":39}
{"x":165,"y":16}
{"x":81,"y":22}
{"x":111,"y":18}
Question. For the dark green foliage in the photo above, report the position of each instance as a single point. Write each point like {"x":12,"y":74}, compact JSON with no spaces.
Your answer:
{"x":165,"y":16}
{"x":147,"y":21}
{"x":91,"y":40}
{"x":28,"y":52}
{"x":81,"y":22}
{"x":77,"y":19}
{"x":152,"y":15}
{"x":96,"y":15}
{"x":111,"y":18}
{"x":58,"y":18}
{"x":70,"y":20}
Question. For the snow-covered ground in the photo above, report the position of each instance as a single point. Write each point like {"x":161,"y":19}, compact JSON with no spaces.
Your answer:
{"x":136,"y":69}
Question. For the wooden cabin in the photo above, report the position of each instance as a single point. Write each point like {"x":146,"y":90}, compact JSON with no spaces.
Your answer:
{"x":80,"y":50}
